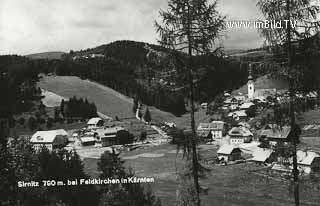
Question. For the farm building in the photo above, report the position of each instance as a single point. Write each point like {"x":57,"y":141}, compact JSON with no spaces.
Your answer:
{"x":238,"y":115}
{"x":240,"y":135}
{"x":262,"y":156}
{"x":229,"y":153}
{"x":108,"y":136}
{"x":246,"y":105}
{"x":215,"y":127}
{"x":95,"y":122}
{"x":51,"y":139}
{"x":240,"y":97}
{"x":275,"y":134}
{"x":308,"y":161}
{"x":87,"y":141}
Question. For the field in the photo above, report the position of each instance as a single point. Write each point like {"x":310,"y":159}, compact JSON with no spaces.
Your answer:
{"x":46,"y":55}
{"x":228,"y":185}
{"x":107,"y":100}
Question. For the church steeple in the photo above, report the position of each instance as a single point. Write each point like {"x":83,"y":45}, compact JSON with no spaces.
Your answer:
{"x":250,"y":84}
{"x":250,"y":73}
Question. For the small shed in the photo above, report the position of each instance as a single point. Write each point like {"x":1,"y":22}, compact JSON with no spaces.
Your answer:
{"x":87,"y":141}
{"x":95,"y":122}
{"x":308,"y":161}
{"x":262,"y":155}
{"x":229,"y":153}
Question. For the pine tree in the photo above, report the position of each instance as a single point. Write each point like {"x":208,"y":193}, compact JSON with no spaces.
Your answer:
{"x":111,"y":166}
{"x":192,"y":26}
{"x":135,"y":105}
{"x":62,"y":106}
{"x":300,"y":20}
{"x":147,"y":116}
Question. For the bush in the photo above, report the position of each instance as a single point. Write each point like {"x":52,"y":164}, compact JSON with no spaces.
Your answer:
{"x":32,"y":123}
{"x":125,"y":137}
{"x":143,"y":135}
{"x":21,"y":121}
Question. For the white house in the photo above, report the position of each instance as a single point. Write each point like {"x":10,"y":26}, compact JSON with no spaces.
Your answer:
{"x":240,"y":135}
{"x":308,"y":161}
{"x":95,"y":123}
{"x":51,"y":139}
{"x":238,"y":115}
{"x":246,"y":105}
{"x":229,"y":153}
{"x":262,"y":155}
{"x":215,"y":127}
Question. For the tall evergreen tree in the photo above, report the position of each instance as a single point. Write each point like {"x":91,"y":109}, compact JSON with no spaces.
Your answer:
{"x":135,"y":105}
{"x":111,"y":166}
{"x":192,"y":26}
{"x":147,"y":116}
{"x":299,"y":20}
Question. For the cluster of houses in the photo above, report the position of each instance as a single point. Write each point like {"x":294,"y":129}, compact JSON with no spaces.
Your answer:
{"x":240,"y":140}
{"x":95,"y":133}
{"x":308,"y":161}
{"x":88,"y":56}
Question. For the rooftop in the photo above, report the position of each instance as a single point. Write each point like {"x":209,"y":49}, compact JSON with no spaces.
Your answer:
{"x":276,"y":132}
{"x":217,"y":125}
{"x":226,"y":149}
{"x":47,"y":136}
{"x":261,"y":155}
{"x":240,"y":131}
{"x":94,"y":120}
{"x":306,"y":157}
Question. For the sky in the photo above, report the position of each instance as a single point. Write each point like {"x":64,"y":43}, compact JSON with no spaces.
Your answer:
{"x":32,"y":26}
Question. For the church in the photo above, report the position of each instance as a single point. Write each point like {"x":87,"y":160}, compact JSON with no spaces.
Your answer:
{"x":250,"y":85}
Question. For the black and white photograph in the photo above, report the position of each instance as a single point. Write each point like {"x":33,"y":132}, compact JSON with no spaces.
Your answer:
{"x":160,"y":103}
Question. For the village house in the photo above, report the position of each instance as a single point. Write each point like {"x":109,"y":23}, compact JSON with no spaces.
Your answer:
{"x":240,"y":97}
{"x":108,"y":136}
{"x":95,"y":122}
{"x":276,"y":134}
{"x":215,"y":127}
{"x":87,"y":140}
{"x":240,"y":135}
{"x":308,"y":161}
{"x":238,"y":115}
{"x":263,"y":155}
{"x":229,"y":153}
{"x":51,"y":139}
{"x":246,"y":105}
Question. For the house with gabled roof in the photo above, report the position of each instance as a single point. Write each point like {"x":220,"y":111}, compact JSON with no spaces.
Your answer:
{"x":229,"y":153}
{"x":215,"y":127}
{"x":51,"y":139}
{"x":308,"y":161}
{"x":240,"y":135}
{"x":262,"y":155}
{"x":95,"y":122}
{"x":276,"y":134}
